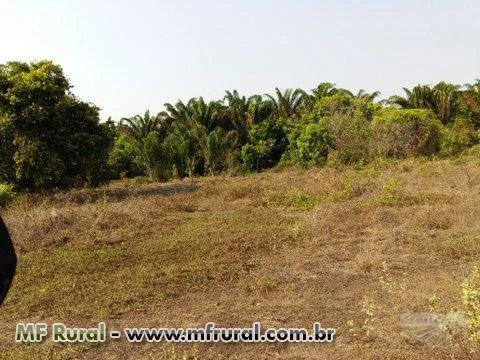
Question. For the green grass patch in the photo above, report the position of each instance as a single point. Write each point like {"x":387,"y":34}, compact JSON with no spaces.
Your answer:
{"x":300,"y":201}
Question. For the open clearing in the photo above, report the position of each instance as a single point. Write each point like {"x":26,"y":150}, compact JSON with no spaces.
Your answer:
{"x":286,"y":247}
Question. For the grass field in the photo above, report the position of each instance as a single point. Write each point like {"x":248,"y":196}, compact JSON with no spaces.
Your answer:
{"x":286,"y":247}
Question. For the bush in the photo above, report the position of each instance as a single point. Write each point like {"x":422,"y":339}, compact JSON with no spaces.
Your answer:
{"x":157,"y":157}
{"x":403,"y":133}
{"x":347,"y":121}
{"x":458,"y":137}
{"x":6,"y":193}
{"x":342,"y":103}
{"x":351,"y":137}
{"x":124,"y":159}
{"x":268,"y":142}
{"x":309,"y":145}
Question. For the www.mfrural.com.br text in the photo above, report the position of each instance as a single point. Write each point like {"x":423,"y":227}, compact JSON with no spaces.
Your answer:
{"x":60,"y":333}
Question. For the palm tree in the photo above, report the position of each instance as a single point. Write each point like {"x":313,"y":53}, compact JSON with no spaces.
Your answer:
{"x":369,"y":97}
{"x":442,"y":99}
{"x":420,"y":97}
{"x":474,"y":88}
{"x":206,"y":114}
{"x":469,"y":101}
{"x":236,"y":112}
{"x":258,"y":109}
{"x":446,"y":100}
{"x":137,"y":127}
{"x":144,"y":133}
{"x":288,"y":103}
{"x":177,"y":112}
{"x":323,"y":90}
{"x":205,"y":128}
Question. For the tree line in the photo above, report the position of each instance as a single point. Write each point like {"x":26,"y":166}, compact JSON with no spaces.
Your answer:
{"x":51,"y":139}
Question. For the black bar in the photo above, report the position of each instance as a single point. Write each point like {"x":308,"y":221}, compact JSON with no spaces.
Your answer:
{"x":8,"y":261}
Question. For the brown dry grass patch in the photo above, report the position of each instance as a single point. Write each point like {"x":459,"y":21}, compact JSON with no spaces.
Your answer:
{"x":283,"y":247}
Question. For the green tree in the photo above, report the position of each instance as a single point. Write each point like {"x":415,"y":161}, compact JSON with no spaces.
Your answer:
{"x":144,"y":134}
{"x":268,"y":142}
{"x":469,"y":103}
{"x":258,"y":110}
{"x":442,"y":99}
{"x":363,"y":95}
{"x":309,"y":144}
{"x":446,"y":101}
{"x":7,"y":151}
{"x":57,"y":140}
{"x":124,"y":158}
{"x":209,"y":132}
{"x":323,"y":90}
{"x":420,"y":97}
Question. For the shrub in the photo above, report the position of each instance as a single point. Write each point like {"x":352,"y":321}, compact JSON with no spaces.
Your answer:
{"x":351,"y":136}
{"x":124,"y":159}
{"x":268,"y":142}
{"x":346,"y":120}
{"x":458,"y":136}
{"x":157,"y":157}
{"x":6,"y":193}
{"x":342,"y":103}
{"x":403,"y":133}
{"x":309,"y":145}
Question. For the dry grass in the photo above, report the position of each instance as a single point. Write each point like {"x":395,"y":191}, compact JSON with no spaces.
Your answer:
{"x":286,"y":247}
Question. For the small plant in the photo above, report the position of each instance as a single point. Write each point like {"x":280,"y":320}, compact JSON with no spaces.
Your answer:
{"x":433,"y":303}
{"x":352,"y":328}
{"x":295,"y":231}
{"x":267,"y":283}
{"x":392,"y":195}
{"x":347,"y":190}
{"x":142,"y":180}
{"x":386,"y":278}
{"x":366,"y":329}
{"x":367,"y":310}
{"x":6,"y":193}
{"x":471,"y":303}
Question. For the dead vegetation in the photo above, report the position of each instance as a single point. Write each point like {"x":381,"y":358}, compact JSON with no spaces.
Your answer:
{"x":352,"y":248}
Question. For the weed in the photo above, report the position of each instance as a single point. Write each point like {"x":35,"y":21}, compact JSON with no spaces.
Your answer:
{"x":366,"y":330}
{"x":471,"y":303}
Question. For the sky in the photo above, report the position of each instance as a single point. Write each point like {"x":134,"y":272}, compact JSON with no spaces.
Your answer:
{"x":129,"y":56}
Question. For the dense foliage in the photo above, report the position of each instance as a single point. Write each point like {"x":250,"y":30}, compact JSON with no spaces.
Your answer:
{"x":406,"y":132}
{"x":49,"y":138}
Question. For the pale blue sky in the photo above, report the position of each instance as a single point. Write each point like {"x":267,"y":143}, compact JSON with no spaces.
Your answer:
{"x":127,"y":56}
